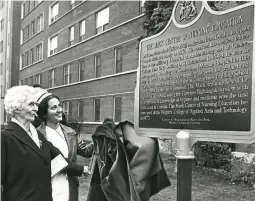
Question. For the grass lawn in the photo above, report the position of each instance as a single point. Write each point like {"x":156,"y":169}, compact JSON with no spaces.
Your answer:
{"x":206,"y":187}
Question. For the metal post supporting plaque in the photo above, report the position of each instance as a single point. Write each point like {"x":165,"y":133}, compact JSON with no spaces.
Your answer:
{"x":184,"y":158}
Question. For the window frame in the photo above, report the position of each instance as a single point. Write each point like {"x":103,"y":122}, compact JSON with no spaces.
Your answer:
{"x":38,"y":77}
{"x":81,"y":69}
{"x":53,"y":51}
{"x":2,"y":24}
{"x":66,"y":108}
{"x":82,"y":36}
{"x":52,"y":81}
{"x":119,"y":109}
{"x":72,"y":4}
{"x":98,"y":73}
{"x":118,"y":61}
{"x":80,"y":114}
{"x":97,"y":110}
{"x":53,"y":18}
{"x":102,"y":28}
{"x":67,"y":74}
{"x":71,"y":36}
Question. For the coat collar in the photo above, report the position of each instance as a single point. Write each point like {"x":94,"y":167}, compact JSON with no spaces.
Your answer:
{"x":66,"y":131}
{"x":19,"y":133}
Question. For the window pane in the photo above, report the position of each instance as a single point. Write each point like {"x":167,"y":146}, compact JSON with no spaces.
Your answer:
{"x":54,"y":43}
{"x":81,"y":70}
{"x":98,"y":60}
{"x":142,"y":3}
{"x":32,"y":27}
{"x":55,"y":10}
{"x":102,"y":17}
{"x":70,"y":109}
{"x":97,"y":109}
{"x":118,"y":60}
{"x":82,"y":27}
{"x":117,"y":109}
{"x":71,"y":33}
{"x":81,"y":110}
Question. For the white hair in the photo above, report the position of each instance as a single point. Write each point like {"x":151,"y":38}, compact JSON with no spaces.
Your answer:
{"x":16,"y":96}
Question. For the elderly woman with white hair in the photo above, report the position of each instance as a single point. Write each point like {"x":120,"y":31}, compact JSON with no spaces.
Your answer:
{"x":25,"y":153}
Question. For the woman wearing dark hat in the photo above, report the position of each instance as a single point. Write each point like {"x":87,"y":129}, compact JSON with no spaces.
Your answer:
{"x":66,"y":140}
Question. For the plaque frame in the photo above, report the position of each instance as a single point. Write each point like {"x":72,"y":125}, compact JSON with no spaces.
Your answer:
{"x":199,"y":135}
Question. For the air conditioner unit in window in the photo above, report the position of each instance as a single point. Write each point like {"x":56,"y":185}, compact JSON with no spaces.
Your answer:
{"x":53,"y":51}
{"x":100,"y":30}
{"x":81,"y":38}
{"x":71,"y":6}
{"x":71,"y":43}
{"x":53,"y":19}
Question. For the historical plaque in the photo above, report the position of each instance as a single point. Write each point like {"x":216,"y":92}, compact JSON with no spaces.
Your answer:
{"x":197,"y":75}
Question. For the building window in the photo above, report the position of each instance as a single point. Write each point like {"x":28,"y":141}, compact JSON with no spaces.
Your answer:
{"x":26,"y":81}
{"x":38,"y":79}
{"x":1,"y":47}
{"x":102,"y":19}
{"x":1,"y":68}
{"x":52,"y":78}
{"x":32,"y":56}
{"x":32,"y":4}
{"x":98,"y":65}
{"x":54,"y":12}
{"x":118,"y":59}
{"x":81,"y":70}
{"x":142,"y":9}
{"x":31,"y":80}
{"x":70,"y":109}
{"x":27,"y":58}
{"x":2,"y":93}
{"x":27,"y":32}
{"x":82,"y":30}
{"x":38,"y":52}
{"x":97,"y":110}
{"x":22,"y":10}
{"x":71,"y":36}
{"x":80,"y":110}
{"x":117,"y":108}
{"x":32,"y":28}
{"x":2,"y":24}
{"x":21,"y":36}
{"x":67,"y":74}
{"x":72,"y":4}
{"x":53,"y":45}
{"x":66,"y":108}
{"x":1,"y":4}
{"x":39,"y":23}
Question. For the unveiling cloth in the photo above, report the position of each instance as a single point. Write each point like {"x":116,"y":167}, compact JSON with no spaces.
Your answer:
{"x":128,"y":167}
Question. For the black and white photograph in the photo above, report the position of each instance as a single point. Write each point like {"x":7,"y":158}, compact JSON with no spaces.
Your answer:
{"x":127,"y":100}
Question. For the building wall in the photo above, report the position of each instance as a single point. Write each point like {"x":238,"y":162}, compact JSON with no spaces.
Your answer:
{"x":15,"y":44}
{"x":9,"y":58}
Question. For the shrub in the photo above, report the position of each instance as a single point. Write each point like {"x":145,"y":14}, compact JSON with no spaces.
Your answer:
{"x":242,"y":171}
{"x":212,"y":154}
{"x":75,"y":124}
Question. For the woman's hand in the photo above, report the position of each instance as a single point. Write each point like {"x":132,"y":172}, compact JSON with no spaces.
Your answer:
{"x":86,"y":171}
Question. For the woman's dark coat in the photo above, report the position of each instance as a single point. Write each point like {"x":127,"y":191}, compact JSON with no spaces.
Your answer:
{"x":126,"y":170}
{"x":84,"y":149}
{"x":26,"y":168}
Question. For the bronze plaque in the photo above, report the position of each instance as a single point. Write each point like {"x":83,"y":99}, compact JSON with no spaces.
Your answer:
{"x":197,"y":73}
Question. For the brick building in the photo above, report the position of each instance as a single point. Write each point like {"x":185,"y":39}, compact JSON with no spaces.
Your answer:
{"x":86,"y":53}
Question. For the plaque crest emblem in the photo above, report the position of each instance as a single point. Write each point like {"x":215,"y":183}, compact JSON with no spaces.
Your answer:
{"x":188,"y":10}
